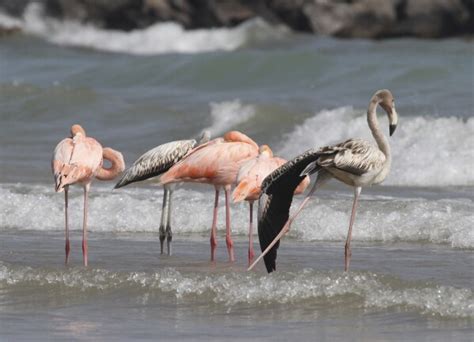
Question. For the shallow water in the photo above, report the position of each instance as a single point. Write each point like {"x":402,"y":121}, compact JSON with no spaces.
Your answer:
{"x":411,"y":276}
{"x":130,"y":292}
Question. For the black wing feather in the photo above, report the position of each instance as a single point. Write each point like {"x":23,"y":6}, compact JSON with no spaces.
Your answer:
{"x":280,"y":186}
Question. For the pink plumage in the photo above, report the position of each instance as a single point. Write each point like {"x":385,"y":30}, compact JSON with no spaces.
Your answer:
{"x":216,"y":163}
{"x":78,"y":160}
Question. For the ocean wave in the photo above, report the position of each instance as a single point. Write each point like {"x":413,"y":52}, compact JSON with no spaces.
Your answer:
{"x":226,"y":115}
{"x":364,"y":290}
{"x":440,"y":221}
{"x":426,"y":151}
{"x":166,"y":37}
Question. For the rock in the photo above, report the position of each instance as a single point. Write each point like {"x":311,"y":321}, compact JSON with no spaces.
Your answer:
{"x":432,"y":18}
{"x":389,"y":18}
{"x":359,"y":18}
{"x":290,"y":12}
{"x":341,"y":18}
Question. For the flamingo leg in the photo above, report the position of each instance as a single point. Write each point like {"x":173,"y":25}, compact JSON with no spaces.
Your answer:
{"x":214,"y":226}
{"x":347,"y":250}
{"x":323,"y":177}
{"x":68,"y":246}
{"x":84,"y":225}
{"x":169,"y":234}
{"x":164,"y":219}
{"x":228,"y":236}
{"x":251,"y":253}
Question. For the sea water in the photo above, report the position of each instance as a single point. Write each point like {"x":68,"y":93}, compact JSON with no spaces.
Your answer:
{"x":411,"y":274}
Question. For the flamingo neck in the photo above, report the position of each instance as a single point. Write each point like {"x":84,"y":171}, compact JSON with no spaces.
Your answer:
{"x":374,"y":126}
{"x":118,"y":164}
{"x":236,"y":136}
{"x":77,"y":129}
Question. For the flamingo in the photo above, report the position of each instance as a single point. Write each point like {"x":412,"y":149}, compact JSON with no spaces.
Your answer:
{"x":154,"y":163}
{"x":216,"y":163}
{"x":249,"y":179}
{"x":78,"y":160}
{"x":354,"y":162}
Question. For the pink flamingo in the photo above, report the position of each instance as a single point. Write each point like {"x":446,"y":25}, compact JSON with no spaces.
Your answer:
{"x":249,"y":179}
{"x":216,"y":163}
{"x":79,"y":159}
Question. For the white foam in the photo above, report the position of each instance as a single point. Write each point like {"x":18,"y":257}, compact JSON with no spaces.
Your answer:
{"x":9,"y":22}
{"x":444,"y":221}
{"x":365,"y":290}
{"x":425,"y":151}
{"x":160,"y":38}
{"x":228,"y":114}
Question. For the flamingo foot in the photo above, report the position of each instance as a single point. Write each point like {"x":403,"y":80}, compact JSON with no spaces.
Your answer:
{"x":347,"y":257}
{"x":213,"y":248}
{"x":162,"y":239}
{"x":84,"y":252}
{"x":67,"y":249}
{"x":251,"y":255}
{"x":169,"y":238}
{"x":230,"y":248}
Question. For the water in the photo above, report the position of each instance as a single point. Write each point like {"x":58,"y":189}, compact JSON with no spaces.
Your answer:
{"x":412,"y":264}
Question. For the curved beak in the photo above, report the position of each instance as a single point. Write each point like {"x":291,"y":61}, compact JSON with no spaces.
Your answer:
{"x":392,"y":129}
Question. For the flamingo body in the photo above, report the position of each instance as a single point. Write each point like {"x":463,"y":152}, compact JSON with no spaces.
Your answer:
{"x":354,"y":162}
{"x":154,"y":163}
{"x":216,"y":163}
{"x":249,"y":180}
{"x":78,"y":160}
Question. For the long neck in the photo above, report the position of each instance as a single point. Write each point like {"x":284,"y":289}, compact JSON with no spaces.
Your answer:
{"x":236,"y":136}
{"x":379,"y":137}
{"x":117,"y":164}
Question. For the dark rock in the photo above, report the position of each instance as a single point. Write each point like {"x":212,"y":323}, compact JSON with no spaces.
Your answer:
{"x":389,"y":18}
{"x":15,"y":7}
{"x":341,"y":18}
{"x":290,"y":12}
{"x":434,"y":18}
{"x":358,"y":18}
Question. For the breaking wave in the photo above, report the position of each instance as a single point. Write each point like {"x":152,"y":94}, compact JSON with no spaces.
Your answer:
{"x":166,"y":37}
{"x":364,"y":290}
{"x":426,"y":151}
{"x":443,"y":221}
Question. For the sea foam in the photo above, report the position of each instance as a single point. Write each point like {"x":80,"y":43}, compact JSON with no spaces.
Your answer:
{"x":426,"y":151}
{"x":361,"y":290}
{"x":165,"y":37}
{"x":441,"y":221}
{"x":228,"y":114}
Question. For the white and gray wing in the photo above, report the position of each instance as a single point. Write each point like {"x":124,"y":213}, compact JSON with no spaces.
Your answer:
{"x":156,"y":161}
{"x":354,"y":156}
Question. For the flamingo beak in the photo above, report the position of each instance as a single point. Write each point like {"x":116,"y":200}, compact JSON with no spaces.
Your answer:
{"x":392,"y":129}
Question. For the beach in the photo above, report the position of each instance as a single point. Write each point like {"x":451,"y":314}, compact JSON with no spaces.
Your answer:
{"x":411,"y":274}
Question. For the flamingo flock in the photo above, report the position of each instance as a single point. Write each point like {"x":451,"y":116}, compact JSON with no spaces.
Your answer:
{"x":233,"y":159}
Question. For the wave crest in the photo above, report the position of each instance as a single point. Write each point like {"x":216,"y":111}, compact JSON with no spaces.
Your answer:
{"x":425,"y":151}
{"x":165,"y":37}
{"x":445,"y":221}
{"x":367,"y":290}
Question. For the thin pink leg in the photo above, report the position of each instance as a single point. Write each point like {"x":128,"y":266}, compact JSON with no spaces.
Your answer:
{"x":67,"y":247}
{"x":214,"y":226}
{"x":228,"y":235}
{"x":84,"y":226}
{"x":347,"y":250}
{"x":251,"y":252}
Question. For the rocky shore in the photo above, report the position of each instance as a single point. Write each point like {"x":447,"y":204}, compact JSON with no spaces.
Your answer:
{"x":341,"y":18}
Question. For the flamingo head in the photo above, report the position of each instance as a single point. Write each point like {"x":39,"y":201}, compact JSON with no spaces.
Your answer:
{"x":385,"y":99}
{"x":76,"y":129}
